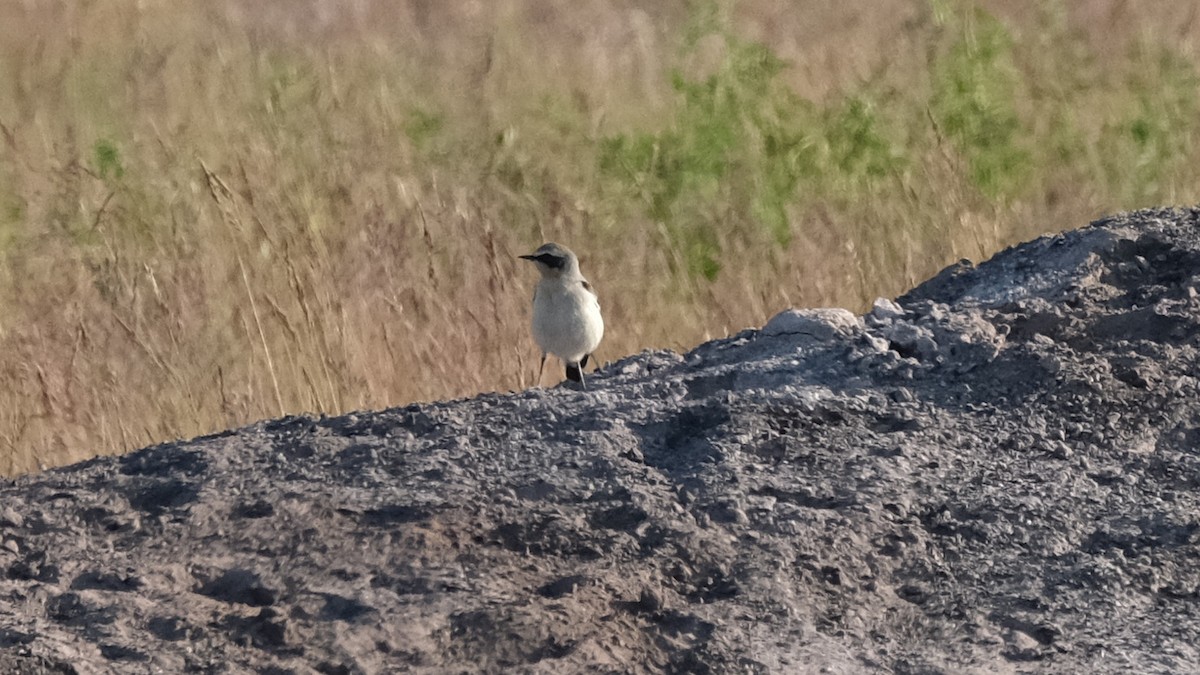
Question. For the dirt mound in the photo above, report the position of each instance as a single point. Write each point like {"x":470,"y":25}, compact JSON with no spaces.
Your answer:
{"x":998,"y":474}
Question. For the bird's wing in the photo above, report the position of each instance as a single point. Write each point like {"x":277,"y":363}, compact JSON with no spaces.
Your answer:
{"x":587,"y":286}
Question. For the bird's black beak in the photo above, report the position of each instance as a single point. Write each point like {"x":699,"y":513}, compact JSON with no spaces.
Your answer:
{"x":528,"y":257}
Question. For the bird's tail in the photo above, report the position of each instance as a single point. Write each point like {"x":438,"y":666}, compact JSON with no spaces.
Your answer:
{"x":574,"y":372}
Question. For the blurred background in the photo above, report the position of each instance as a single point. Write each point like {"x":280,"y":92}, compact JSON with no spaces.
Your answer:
{"x":217,"y":211}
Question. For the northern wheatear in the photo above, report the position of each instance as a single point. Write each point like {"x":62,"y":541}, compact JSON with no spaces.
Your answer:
{"x":566,"y":313}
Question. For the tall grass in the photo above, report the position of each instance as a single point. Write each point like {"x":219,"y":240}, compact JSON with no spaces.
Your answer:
{"x":217,"y":212}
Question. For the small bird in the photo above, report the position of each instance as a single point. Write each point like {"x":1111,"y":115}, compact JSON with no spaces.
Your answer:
{"x":566,"y":313}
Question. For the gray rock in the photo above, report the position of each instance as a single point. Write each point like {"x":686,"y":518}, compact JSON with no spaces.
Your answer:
{"x":823,"y":324}
{"x":10,"y":517}
{"x":911,"y":340}
{"x":886,"y":310}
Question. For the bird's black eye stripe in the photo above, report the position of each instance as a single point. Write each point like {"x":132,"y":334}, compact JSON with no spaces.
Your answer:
{"x":551,"y":260}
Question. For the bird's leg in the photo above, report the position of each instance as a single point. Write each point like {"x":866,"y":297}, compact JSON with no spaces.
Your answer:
{"x":575,"y":373}
{"x":541,"y":367}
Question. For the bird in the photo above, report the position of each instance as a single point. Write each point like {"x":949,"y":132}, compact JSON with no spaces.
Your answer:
{"x":566,"y":311}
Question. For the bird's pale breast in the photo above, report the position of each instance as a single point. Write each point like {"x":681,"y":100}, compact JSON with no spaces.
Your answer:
{"x":566,"y":320}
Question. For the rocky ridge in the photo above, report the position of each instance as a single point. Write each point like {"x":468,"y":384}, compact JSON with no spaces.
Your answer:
{"x":998,"y":472}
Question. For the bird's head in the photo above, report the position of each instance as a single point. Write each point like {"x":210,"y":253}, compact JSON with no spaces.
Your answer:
{"x":553,"y":260}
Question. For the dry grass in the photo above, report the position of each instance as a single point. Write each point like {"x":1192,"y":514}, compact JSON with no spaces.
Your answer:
{"x":216,"y":212}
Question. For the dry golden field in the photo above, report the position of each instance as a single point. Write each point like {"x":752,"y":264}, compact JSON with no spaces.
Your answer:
{"x":214,"y":212}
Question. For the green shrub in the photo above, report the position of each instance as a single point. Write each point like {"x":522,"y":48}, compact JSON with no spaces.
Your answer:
{"x":974,"y":86}
{"x":731,"y":159}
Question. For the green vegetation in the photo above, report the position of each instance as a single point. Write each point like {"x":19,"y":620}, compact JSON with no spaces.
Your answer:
{"x":974,"y":102}
{"x":228,"y":216}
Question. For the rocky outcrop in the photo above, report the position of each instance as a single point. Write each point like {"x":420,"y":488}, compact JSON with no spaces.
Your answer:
{"x":999,"y":472}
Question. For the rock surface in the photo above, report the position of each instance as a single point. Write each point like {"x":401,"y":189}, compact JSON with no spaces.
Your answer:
{"x":1000,"y":473}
